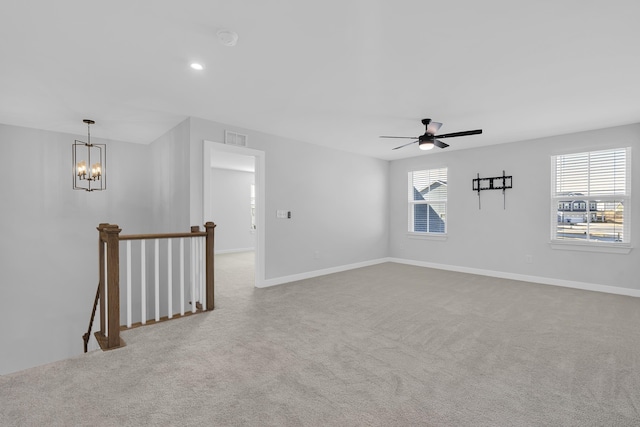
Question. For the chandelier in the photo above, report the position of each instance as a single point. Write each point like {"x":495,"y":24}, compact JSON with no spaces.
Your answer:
{"x":89,"y":163}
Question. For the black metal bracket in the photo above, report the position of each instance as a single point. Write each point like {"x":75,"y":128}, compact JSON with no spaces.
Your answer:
{"x":494,"y":183}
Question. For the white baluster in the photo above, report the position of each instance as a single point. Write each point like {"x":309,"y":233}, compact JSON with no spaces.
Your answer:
{"x":193,"y":275}
{"x":197,"y":256}
{"x":128,"y":283}
{"x":169,"y":279}
{"x":203,"y":266}
{"x":143,"y":282}
{"x":181,"y":276}
{"x":157,"y":278}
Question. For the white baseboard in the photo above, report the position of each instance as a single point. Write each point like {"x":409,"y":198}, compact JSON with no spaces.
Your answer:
{"x":233,"y":251}
{"x":310,"y":274}
{"x":525,"y":278}
{"x":482,"y":272}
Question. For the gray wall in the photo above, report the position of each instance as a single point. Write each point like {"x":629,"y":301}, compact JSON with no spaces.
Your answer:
{"x":494,"y":239}
{"x":169,"y":183}
{"x":338,"y":200}
{"x":48,"y":240}
{"x":231,"y":195}
{"x":346,"y":208}
{"x":48,"y":262}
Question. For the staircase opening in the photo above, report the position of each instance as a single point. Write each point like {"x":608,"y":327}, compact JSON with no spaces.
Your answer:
{"x":153,"y":288}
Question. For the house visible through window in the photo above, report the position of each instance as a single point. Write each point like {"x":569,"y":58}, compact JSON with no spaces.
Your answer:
{"x":428,"y":201}
{"x":591,"y":192}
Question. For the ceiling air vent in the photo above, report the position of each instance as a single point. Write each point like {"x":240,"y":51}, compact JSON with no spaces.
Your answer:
{"x":233,"y":138}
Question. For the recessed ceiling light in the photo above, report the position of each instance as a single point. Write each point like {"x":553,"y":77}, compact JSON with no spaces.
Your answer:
{"x":197,"y":66}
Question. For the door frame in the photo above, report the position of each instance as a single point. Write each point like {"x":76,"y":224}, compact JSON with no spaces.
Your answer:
{"x":209,"y":148}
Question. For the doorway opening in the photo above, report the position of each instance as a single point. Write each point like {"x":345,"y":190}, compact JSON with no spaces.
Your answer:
{"x":234,"y":199}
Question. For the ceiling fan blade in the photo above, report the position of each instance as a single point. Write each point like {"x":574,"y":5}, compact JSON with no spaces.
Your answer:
{"x":412,"y":142}
{"x":440,"y":144}
{"x":403,"y":137}
{"x":465,"y":133}
{"x":433,"y":127}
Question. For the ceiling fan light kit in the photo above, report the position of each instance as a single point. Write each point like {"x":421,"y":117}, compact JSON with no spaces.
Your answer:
{"x":425,"y":145}
{"x":428,"y":140}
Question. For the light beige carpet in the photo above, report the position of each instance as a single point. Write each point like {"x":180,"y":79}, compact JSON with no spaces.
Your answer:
{"x":387,"y":345}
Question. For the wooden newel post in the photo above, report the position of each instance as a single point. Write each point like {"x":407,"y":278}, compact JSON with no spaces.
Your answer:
{"x":210,"y":228}
{"x":197,"y":305}
{"x":112,"y":238}
{"x":101,"y":277}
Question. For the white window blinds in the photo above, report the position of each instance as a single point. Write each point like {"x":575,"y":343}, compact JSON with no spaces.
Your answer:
{"x":591,"y":197}
{"x":592,"y":173}
{"x":428,"y":201}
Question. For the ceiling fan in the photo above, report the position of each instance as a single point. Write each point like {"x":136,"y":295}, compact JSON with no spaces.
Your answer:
{"x":428,"y":140}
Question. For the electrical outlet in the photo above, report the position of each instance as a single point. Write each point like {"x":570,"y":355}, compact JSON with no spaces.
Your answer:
{"x":316,"y":255}
{"x":528,"y":259}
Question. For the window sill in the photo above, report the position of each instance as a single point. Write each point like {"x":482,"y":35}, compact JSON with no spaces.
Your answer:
{"x":427,"y":236}
{"x":591,"y":247}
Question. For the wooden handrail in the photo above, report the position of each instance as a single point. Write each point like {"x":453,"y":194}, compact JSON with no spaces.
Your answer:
{"x":86,"y":336}
{"x":109,"y":276}
{"x":162,"y":235}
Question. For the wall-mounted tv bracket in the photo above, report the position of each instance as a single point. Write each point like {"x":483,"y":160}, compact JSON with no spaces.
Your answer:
{"x":495,"y":183}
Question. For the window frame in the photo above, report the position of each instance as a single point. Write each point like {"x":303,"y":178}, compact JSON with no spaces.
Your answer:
{"x":589,"y":200}
{"x":430,"y":235}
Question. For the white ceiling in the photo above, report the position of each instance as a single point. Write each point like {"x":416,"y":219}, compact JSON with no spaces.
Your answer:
{"x":334,"y":73}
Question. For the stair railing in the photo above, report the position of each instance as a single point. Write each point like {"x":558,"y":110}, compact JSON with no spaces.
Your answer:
{"x":201,"y":276}
{"x":86,"y":336}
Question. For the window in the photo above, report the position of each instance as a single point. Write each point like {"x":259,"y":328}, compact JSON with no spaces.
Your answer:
{"x":579,"y":206}
{"x":592,"y":193}
{"x":428,"y":201}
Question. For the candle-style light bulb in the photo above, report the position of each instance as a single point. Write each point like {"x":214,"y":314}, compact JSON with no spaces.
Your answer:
{"x":82,"y":169}
{"x":96,"y":171}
